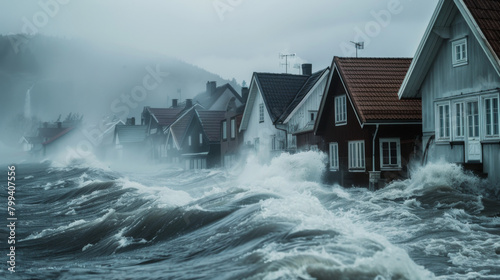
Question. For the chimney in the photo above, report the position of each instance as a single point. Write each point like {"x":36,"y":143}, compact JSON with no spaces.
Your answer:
{"x":307,"y":69}
{"x":244,"y":93}
{"x":189,"y":103}
{"x":211,"y":86}
{"x":130,"y":121}
{"x":174,"y":103}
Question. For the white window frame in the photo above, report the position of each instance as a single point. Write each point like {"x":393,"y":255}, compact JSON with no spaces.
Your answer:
{"x":201,"y":138}
{"x":189,"y":140}
{"x":224,"y":130}
{"x":484,"y":117}
{"x":446,"y":137}
{"x":459,"y":52}
{"x":390,"y":166}
{"x":233,"y":128}
{"x":458,"y":120}
{"x":261,"y":112}
{"x":357,"y":160}
{"x":341,"y":110}
{"x":334,"y":156}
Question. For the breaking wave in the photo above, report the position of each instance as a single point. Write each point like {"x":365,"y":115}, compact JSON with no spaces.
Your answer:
{"x":261,"y":221}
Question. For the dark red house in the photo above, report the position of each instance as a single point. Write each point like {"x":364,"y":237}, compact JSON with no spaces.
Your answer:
{"x":231,"y":137}
{"x":368,"y":133}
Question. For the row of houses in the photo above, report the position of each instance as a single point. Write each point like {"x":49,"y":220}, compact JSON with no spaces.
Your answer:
{"x":371,"y":116}
{"x":197,"y":133}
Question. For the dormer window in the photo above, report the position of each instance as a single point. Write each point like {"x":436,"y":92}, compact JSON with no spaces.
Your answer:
{"x":459,"y":52}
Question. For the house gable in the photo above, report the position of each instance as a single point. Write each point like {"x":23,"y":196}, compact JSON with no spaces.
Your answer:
{"x":254,"y":91}
{"x":326,"y":116}
{"x":455,"y":19}
{"x":193,"y":130}
{"x":305,"y":94}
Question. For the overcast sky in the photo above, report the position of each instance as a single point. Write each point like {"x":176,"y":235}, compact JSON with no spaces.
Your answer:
{"x":232,"y":38}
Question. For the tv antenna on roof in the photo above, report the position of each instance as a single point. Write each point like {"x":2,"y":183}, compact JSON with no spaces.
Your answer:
{"x":286,"y":60}
{"x":358,"y":46}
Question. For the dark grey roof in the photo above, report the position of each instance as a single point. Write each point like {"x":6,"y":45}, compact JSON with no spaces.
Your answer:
{"x":165,"y":116}
{"x":206,"y":99}
{"x":131,"y":133}
{"x":308,"y":85}
{"x":278,"y":90}
{"x":281,"y":90}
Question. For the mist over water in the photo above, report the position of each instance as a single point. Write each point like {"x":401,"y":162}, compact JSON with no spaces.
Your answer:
{"x":272,"y":220}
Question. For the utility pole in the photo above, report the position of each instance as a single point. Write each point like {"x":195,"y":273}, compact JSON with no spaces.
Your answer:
{"x":286,"y":60}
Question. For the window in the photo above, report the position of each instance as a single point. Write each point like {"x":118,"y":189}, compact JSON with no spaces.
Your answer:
{"x":356,"y":155}
{"x":201,"y":138}
{"x":312,"y":115}
{"x":473,"y":119}
{"x":233,"y":128}
{"x":491,"y":115}
{"x":189,"y":140}
{"x":443,"y":122}
{"x":390,"y":153}
{"x":334,"y":156}
{"x":340,"y":109}
{"x":224,"y":130}
{"x":459,"y":125}
{"x":459,"y":52}
{"x":261,"y":112}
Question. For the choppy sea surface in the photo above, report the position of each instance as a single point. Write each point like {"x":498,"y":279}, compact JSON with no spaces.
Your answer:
{"x":85,"y":220}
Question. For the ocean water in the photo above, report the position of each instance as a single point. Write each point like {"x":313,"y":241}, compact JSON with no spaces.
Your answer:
{"x":86,"y":220}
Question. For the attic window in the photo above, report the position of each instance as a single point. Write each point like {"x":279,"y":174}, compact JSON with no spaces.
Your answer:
{"x":459,"y":52}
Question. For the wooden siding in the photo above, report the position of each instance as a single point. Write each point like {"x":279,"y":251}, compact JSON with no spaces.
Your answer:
{"x":443,"y":80}
{"x":301,"y":117}
{"x":352,"y":131}
{"x":491,"y":162}
{"x":262,"y":130}
{"x":230,"y":146}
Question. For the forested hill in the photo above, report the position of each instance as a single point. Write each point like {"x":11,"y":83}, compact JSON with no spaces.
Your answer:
{"x":70,"y":75}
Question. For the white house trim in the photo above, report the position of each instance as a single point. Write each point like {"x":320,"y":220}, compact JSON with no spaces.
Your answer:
{"x":320,"y":80}
{"x":428,"y":46}
{"x":253,"y":91}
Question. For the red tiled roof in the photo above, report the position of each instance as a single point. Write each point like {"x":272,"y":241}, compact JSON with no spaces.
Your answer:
{"x":57,"y":136}
{"x":373,"y":85}
{"x":166,"y":116}
{"x":487,"y":15}
{"x":211,"y":122}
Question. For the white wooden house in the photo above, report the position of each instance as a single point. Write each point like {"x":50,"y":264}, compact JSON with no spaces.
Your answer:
{"x":301,"y":114}
{"x":456,"y":73}
{"x":272,"y":98}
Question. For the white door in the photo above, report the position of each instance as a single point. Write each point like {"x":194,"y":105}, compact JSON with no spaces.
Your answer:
{"x":473,"y":149}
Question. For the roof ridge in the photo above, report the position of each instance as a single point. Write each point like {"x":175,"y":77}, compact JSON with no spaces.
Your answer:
{"x":372,"y":57}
